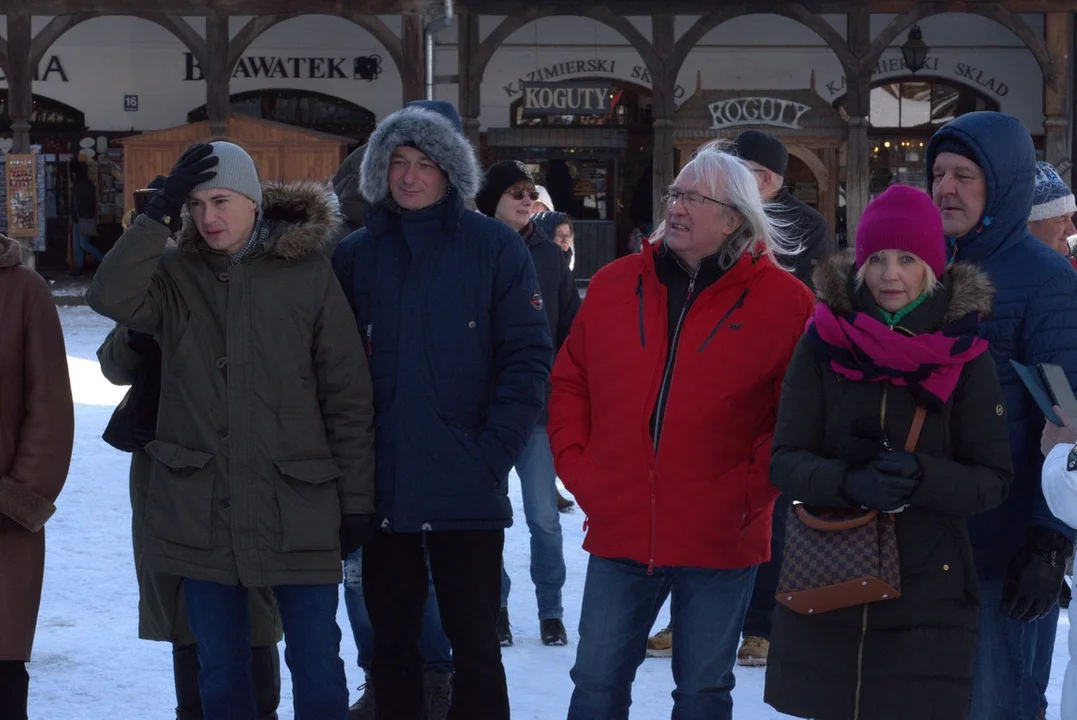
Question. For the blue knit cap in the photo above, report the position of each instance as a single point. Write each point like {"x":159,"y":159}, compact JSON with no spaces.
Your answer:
{"x":1051,"y":198}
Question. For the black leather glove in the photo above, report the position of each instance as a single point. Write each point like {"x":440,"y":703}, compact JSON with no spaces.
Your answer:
{"x":900,"y":463}
{"x":1034,"y":577}
{"x":879,"y":485}
{"x":192,"y":169}
{"x":355,"y":532}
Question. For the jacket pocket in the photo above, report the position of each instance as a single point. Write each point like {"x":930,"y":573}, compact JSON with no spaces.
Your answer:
{"x":179,"y":508}
{"x":309,"y":505}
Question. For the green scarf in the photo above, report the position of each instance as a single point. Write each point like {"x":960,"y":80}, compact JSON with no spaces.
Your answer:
{"x":894,"y":319}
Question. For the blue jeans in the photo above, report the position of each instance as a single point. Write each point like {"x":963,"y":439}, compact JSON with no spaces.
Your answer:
{"x":538,"y":485}
{"x":433,"y":643}
{"x":80,"y":245}
{"x":220,"y":618}
{"x":1013,"y":662}
{"x":621,"y":602}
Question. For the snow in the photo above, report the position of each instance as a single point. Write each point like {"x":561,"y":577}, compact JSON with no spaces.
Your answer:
{"x":89,"y":664}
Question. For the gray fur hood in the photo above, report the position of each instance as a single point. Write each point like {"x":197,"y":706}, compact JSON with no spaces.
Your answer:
{"x":430,"y":132}
{"x":971,"y":290}
{"x":10,"y":252}
{"x":302,"y":216}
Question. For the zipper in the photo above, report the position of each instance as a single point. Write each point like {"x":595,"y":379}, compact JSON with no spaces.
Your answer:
{"x":667,"y":375}
{"x":650,"y":561}
{"x":639,"y":294}
{"x":860,"y":662}
{"x":882,"y":418}
{"x":718,"y":326}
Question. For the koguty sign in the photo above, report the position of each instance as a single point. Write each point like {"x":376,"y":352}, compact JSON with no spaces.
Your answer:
{"x":774,"y":112}
{"x":568,"y":98}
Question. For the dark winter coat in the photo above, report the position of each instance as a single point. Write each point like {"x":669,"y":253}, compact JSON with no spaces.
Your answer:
{"x":452,"y":317}
{"x":560,"y":296}
{"x":1034,"y":320}
{"x":37,"y":427}
{"x":162,"y":613}
{"x":353,"y":205}
{"x":265,"y":432}
{"x":806,"y":227}
{"x":917,"y":650}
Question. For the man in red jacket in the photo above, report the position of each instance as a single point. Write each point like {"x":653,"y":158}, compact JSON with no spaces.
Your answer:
{"x":664,"y":401}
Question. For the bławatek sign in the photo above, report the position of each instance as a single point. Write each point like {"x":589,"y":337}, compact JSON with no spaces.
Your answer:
{"x":295,"y":68}
{"x":571,"y":98}
{"x":774,"y":112}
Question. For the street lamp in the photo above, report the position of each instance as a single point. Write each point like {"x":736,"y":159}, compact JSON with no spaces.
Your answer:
{"x":915,"y":50}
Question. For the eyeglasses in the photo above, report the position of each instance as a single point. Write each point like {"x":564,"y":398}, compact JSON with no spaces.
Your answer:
{"x":690,"y":199}
{"x":518,"y":194}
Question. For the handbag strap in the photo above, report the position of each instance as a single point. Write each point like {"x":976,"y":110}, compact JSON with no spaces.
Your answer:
{"x":914,"y":430}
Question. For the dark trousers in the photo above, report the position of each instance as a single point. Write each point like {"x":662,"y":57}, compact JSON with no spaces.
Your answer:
{"x":761,"y":606}
{"x":14,"y":690}
{"x":466,"y":568}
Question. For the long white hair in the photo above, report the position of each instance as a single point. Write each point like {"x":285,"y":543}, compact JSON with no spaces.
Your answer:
{"x":718,"y":170}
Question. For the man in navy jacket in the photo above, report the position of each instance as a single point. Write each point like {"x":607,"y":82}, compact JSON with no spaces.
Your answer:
{"x":983,"y":168}
{"x":453,"y":320}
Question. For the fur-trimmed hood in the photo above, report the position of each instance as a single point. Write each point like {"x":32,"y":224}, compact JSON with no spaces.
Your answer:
{"x":433,"y":130}
{"x":969,"y":289}
{"x":10,"y":252}
{"x":302,"y":217}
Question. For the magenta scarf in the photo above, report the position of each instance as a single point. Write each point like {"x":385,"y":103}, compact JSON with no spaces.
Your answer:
{"x":863,"y":349}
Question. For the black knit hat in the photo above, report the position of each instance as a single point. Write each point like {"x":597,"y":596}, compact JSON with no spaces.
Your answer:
{"x":499,"y":178}
{"x":762,"y":148}
{"x":951,"y":145}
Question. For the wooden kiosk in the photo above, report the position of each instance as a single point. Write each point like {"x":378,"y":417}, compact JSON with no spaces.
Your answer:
{"x":281,"y":152}
{"x":811,"y":129}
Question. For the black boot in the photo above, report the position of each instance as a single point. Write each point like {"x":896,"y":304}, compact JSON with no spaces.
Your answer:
{"x":265,"y":666}
{"x":185,"y":670}
{"x":14,"y":690}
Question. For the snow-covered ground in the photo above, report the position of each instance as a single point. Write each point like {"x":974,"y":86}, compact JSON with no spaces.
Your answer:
{"x":89,"y":664}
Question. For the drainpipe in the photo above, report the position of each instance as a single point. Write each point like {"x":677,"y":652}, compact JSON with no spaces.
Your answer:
{"x":433,"y":28}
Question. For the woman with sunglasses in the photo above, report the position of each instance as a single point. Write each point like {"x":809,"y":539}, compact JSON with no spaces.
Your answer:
{"x":509,"y":195}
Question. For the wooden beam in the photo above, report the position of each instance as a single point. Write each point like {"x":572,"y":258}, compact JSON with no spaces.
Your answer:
{"x":1056,"y":100}
{"x":834,"y":7}
{"x":220,"y":7}
{"x":413,"y":53}
{"x":20,"y":75}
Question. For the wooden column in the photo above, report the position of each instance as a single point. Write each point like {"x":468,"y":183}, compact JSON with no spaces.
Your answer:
{"x":217,"y":74}
{"x":828,"y":194}
{"x":858,"y":105}
{"x":411,"y":40}
{"x":663,"y":105}
{"x":470,"y":81}
{"x":19,"y":80}
{"x":1056,"y":29}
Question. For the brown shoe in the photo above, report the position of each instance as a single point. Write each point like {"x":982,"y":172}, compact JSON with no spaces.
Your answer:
{"x":661,"y":644}
{"x":753,"y":652}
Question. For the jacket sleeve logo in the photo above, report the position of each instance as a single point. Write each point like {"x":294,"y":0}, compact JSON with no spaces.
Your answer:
{"x":535,"y":300}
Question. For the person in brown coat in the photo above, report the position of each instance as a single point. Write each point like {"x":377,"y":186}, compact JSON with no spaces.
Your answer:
{"x":37,"y":427}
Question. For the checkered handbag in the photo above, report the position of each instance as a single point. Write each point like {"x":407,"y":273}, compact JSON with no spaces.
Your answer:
{"x":841,"y":558}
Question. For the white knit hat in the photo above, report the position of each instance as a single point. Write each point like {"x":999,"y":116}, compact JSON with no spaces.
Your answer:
{"x":544,"y":197}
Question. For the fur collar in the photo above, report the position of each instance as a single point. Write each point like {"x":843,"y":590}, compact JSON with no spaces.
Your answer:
{"x":10,"y":252}
{"x":429,"y":132}
{"x":301,"y":216}
{"x":970,"y":288}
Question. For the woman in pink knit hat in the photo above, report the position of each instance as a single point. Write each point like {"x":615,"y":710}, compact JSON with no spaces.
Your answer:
{"x":890,"y":404}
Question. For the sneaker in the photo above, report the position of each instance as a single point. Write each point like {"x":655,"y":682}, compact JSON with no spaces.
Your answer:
{"x":438,"y":695}
{"x":364,"y":708}
{"x":563,"y":503}
{"x":553,"y":632}
{"x":504,"y":629}
{"x":661,"y":644}
{"x":753,"y":652}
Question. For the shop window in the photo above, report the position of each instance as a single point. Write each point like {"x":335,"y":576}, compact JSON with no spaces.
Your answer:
{"x":302,"y":108}
{"x":47,"y":115}
{"x":630,"y":106}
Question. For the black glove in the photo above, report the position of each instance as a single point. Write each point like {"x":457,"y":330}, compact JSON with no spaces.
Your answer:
{"x":355,"y":532}
{"x":1034,"y":577}
{"x":192,"y":169}
{"x":879,"y":485}
{"x":900,"y":463}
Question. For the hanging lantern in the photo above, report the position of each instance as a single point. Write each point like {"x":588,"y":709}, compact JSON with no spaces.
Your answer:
{"x":915,"y":50}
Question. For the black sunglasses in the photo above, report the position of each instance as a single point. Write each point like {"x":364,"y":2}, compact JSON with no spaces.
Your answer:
{"x":518,"y":194}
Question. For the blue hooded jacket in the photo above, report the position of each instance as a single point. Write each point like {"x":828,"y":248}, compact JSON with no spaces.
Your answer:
{"x":1034,"y":319}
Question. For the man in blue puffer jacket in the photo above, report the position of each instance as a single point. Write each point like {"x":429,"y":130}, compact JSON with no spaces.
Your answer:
{"x":452,"y":317}
{"x":983,"y":173}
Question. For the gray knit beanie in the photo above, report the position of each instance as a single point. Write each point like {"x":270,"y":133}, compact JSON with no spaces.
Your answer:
{"x":235,"y":171}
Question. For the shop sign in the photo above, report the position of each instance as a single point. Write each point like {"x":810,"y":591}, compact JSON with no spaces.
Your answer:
{"x":740,"y":111}
{"x":570,"y":98}
{"x":53,"y":69}
{"x":604,"y":67}
{"x":965,"y":72}
{"x":249,"y":67}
